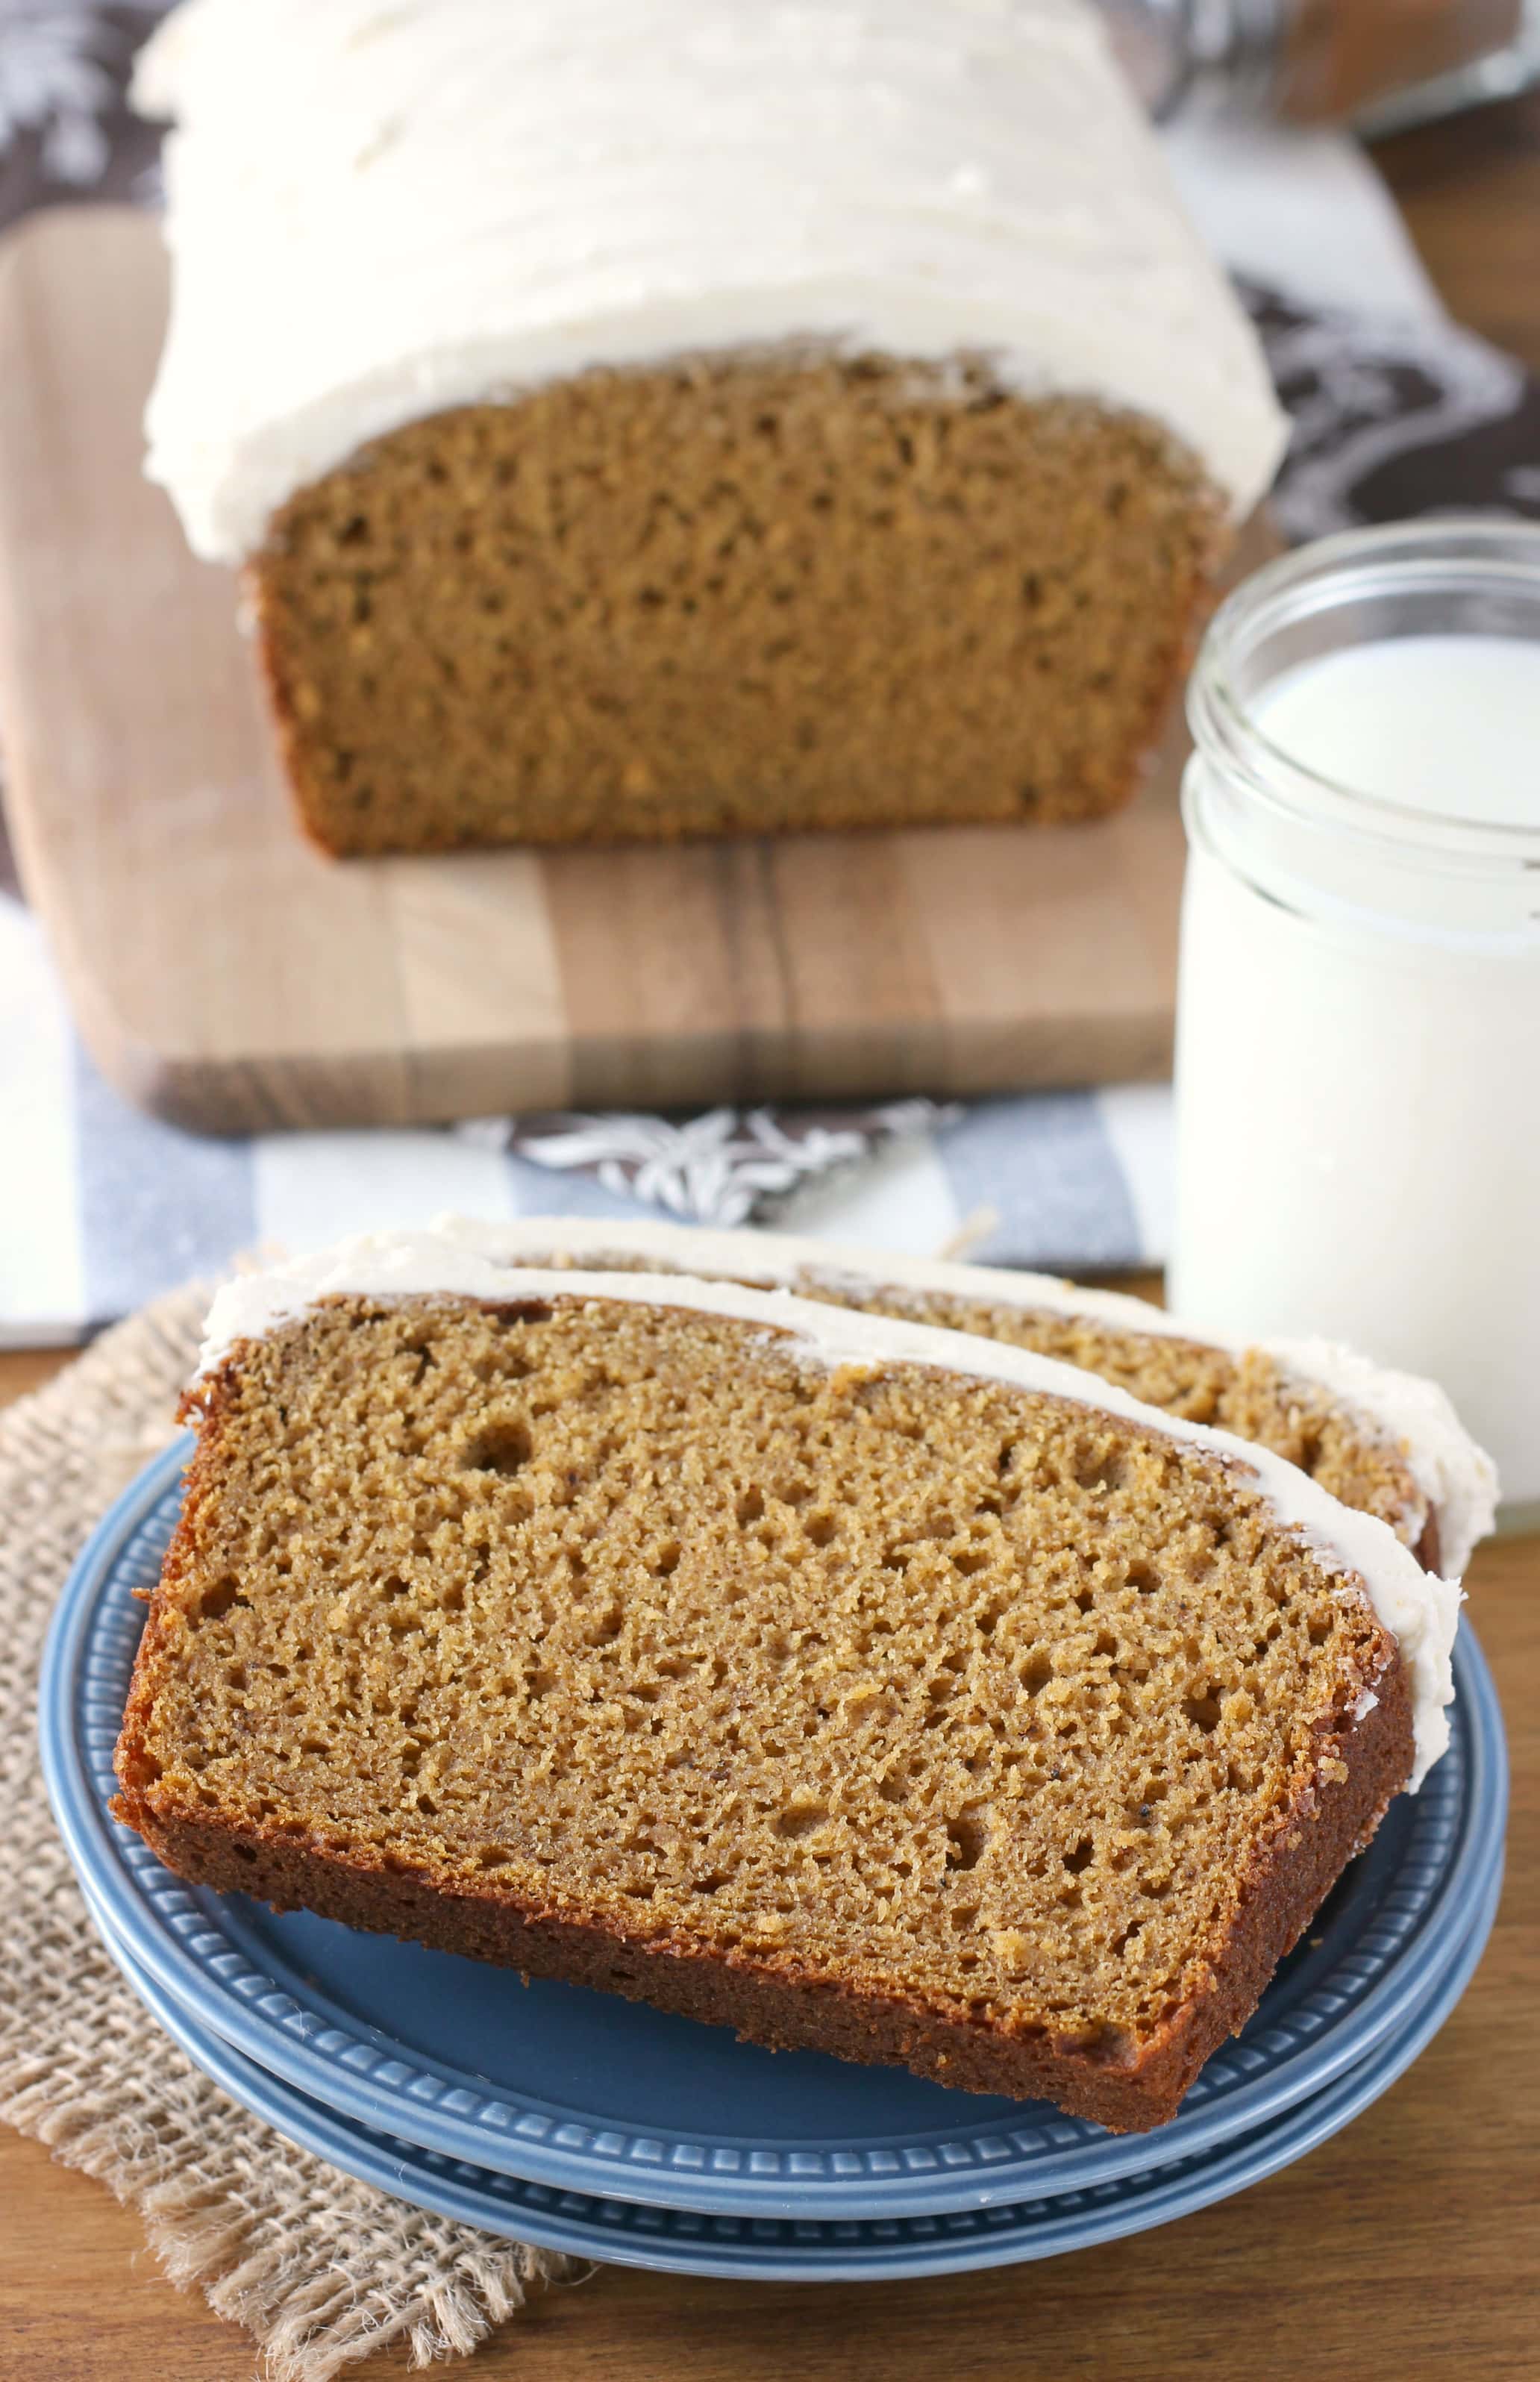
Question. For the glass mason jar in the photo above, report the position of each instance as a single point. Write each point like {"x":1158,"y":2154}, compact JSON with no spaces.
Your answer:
{"x":1358,"y":1035}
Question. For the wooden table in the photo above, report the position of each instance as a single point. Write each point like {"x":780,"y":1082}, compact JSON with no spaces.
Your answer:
{"x":1407,"y":2247}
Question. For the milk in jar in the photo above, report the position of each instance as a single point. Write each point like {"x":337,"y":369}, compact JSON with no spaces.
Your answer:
{"x":1358,"y":1048}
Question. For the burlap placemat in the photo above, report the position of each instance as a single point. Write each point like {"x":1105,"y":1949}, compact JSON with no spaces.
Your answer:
{"x":319,"y":2269}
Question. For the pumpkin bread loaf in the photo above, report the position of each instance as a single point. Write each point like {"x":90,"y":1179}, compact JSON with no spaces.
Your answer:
{"x":661,"y":418}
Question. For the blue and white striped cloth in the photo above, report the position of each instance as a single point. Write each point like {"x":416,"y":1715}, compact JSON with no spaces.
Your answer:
{"x":102,"y":1207}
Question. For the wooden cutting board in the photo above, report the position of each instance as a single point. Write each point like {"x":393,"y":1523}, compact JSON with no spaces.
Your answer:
{"x":227,"y":977}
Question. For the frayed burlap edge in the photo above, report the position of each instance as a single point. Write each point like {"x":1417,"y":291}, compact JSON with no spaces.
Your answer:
{"x":319,"y":2269}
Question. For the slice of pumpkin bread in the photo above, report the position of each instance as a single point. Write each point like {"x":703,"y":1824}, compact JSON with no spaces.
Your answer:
{"x":865,"y":1686}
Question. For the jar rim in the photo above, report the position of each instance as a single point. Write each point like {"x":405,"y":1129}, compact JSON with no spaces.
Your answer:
{"x":1474,"y":553}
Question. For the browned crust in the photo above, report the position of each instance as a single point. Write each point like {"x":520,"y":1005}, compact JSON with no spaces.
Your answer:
{"x":1428,"y":1549}
{"x":291,"y":744}
{"x":769,"y":1997}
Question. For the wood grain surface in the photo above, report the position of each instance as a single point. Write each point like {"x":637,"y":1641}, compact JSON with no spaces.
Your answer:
{"x":1408,"y":2250}
{"x":229,"y":977}
{"x":1469,"y":193}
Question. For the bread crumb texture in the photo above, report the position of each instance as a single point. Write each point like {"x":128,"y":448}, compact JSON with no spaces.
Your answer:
{"x":1247,"y":1393}
{"x":977,"y":1701}
{"x":735,"y":594}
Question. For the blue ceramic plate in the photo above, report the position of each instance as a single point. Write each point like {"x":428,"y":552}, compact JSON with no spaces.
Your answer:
{"x":742,"y":2248}
{"x":582,"y":2092}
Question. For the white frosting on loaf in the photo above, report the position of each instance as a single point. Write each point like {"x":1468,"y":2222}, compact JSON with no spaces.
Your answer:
{"x":377,"y":211}
{"x":1418,"y":1608}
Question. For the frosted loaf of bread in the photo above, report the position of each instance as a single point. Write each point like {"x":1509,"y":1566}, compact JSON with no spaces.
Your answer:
{"x":643,"y":418}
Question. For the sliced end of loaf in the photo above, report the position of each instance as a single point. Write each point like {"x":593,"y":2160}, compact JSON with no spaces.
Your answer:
{"x":732,"y":595}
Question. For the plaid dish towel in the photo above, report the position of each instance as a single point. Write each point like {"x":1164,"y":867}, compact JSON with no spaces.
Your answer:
{"x":101,"y":1207}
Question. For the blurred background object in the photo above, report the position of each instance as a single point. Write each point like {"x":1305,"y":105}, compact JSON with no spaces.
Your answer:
{"x":1383,"y":63}
{"x":66,"y":128}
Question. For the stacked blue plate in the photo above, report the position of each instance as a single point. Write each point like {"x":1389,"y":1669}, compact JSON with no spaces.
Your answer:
{"x":589,"y":2124}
